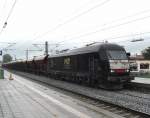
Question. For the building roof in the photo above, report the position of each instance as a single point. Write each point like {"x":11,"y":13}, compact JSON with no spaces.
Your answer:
{"x":137,"y":57}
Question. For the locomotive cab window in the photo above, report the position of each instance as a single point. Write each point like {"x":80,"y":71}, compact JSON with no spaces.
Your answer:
{"x":113,"y":54}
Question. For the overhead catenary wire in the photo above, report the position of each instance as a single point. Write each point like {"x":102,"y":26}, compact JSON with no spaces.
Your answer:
{"x":125,"y":36}
{"x":106,"y":28}
{"x":110,"y":27}
{"x":118,"y":37}
{"x":72,"y":19}
{"x":111,"y":38}
{"x":82,"y":13}
{"x":11,"y":10}
{"x":79,"y":8}
{"x":135,"y":14}
{"x":3,"y":7}
{"x":93,"y":32}
{"x":129,"y":16}
{"x":7,"y":43}
{"x":9,"y":14}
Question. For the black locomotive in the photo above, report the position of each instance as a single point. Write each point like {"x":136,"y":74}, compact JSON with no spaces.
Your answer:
{"x":104,"y":65}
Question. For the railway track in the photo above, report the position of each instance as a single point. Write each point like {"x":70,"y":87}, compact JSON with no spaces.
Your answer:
{"x":126,"y":113}
{"x":129,"y":104}
{"x":141,"y":87}
{"x":123,"y":112}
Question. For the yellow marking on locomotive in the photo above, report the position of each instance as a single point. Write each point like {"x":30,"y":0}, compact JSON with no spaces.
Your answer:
{"x":67,"y":61}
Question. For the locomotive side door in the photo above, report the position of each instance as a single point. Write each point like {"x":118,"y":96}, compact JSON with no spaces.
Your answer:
{"x":91,"y":65}
{"x":93,"y":69}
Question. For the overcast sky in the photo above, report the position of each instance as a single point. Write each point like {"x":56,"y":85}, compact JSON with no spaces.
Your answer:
{"x":74,"y":23}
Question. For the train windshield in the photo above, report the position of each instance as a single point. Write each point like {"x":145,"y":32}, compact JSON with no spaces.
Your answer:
{"x":115,"y":54}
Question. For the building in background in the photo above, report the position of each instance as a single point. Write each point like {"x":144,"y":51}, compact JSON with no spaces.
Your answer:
{"x":139,"y":65}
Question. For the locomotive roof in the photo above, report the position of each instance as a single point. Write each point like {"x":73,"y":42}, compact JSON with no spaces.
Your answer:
{"x":90,"y":49}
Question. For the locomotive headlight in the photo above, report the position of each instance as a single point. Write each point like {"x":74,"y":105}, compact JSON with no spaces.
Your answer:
{"x":127,"y":70}
{"x":112,"y":71}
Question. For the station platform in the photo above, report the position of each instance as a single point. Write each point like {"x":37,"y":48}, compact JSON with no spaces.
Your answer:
{"x":141,"y":80}
{"x":22,"y":98}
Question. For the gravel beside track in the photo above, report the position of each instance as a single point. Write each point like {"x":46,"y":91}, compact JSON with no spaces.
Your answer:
{"x":133,"y":100}
{"x":142,"y":87}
